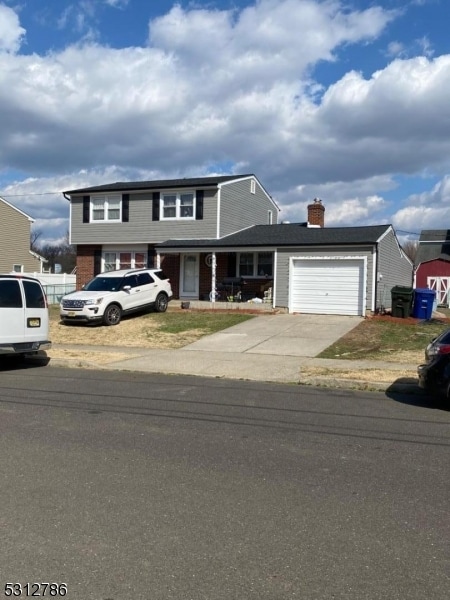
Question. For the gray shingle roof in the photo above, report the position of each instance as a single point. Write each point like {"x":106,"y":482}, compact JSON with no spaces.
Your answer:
{"x":121,"y":186}
{"x":292,"y":234}
{"x":433,"y":244}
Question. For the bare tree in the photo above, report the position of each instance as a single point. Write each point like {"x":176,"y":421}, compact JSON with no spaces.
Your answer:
{"x":35,"y":235}
{"x":410,"y":249}
{"x":61,"y":253}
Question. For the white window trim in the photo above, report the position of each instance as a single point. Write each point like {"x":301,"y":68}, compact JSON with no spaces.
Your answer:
{"x":177,"y":216}
{"x":14,"y":270}
{"x":106,"y":198}
{"x":255,"y":264}
{"x":124,"y":251}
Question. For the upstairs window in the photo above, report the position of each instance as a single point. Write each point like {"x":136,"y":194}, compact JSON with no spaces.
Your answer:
{"x":178,"y":206}
{"x":106,"y":208}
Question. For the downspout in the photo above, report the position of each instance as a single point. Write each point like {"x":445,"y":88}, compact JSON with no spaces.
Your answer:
{"x":375,"y":278}
{"x":219,"y":192}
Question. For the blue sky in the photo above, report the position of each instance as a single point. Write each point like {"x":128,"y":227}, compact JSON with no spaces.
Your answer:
{"x":344,"y":100}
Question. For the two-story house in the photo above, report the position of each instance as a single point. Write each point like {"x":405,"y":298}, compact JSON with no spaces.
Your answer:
{"x":222,"y":232}
{"x":119,"y":225}
{"x":15,"y":253}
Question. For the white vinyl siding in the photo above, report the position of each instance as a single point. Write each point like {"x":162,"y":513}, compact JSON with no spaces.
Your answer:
{"x":329,"y":285}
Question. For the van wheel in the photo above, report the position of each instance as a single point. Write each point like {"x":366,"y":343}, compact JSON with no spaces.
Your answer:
{"x":161,"y":303}
{"x":112,"y":315}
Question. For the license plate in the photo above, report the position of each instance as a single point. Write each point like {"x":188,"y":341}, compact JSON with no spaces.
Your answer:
{"x":71,"y":313}
{"x":34,"y":322}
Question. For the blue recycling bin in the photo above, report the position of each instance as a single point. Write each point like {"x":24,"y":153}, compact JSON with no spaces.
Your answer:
{"x":423,"y":303}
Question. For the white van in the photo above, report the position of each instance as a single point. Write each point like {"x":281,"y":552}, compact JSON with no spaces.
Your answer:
{"x":24,"y":320}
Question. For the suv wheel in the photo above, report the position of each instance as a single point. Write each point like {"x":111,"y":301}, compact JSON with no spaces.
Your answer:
{"x":161,"y":303}
{"x":112,"y":315}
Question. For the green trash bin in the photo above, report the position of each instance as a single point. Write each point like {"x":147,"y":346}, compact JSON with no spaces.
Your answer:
{"x":402,"y":298}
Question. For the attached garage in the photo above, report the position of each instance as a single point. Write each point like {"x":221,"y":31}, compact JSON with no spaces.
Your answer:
{"x":328,"y":285}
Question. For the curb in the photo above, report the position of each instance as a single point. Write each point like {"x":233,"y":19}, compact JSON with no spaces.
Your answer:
{"x":368,"y":386}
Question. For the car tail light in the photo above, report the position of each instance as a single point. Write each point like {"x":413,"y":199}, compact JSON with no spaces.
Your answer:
{"x":439,"y":349}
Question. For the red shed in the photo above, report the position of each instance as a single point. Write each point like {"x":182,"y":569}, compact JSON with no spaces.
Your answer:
{"x":433,"y":263}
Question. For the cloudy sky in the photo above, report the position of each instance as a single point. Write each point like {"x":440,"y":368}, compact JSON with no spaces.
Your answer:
{"x":343,"y":100}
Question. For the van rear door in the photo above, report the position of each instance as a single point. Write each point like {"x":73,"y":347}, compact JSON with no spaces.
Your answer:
{"x":36,"y":312}
{"x":12,"y":322}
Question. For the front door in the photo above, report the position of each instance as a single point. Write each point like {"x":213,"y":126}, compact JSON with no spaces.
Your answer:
{"x":189,"y":276}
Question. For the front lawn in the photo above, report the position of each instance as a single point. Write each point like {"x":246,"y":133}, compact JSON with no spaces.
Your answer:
{"x":386,"y":338}
{"x":172,"y":329}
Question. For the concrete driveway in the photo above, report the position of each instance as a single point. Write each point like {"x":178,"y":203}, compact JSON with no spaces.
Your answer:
{"x":279,"y":335}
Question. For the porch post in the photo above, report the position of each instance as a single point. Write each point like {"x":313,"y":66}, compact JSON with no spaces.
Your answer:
{"x":213,"y":277}
{"x":158,"y":260}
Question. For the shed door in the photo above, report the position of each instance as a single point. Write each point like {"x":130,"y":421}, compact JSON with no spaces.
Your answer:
{"x":327,"y":286}
{"x":441,"y":285}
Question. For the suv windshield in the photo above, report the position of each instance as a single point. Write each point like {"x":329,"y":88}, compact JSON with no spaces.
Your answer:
{"x":103,"y":284}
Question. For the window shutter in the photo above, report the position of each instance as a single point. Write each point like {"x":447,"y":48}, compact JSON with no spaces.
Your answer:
{"x":155,"y":208}
{"x":97,"y":262}
{"x":125,"y":208}
{"x":199,"y":205}
{"x":151,"y":256}
{"x":86,"y":208}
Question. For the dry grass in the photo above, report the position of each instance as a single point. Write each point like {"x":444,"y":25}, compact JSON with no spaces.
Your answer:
{"x":165,"y":331}
{"x":360,"y":375}
{"x":387,"y":339}
{"x":137,"y":332}
{"x":95,"y":357}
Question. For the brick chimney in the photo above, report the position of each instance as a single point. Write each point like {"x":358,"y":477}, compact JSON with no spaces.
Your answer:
{"x":316,"y":213}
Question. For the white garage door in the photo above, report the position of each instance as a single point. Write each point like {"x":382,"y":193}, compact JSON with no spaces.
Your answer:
{"x":327,"y":286}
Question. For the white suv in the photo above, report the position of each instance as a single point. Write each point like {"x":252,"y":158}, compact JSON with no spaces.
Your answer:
{"x":114,"y":293}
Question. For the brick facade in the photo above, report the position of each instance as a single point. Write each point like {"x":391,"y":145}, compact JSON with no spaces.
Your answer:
{"x":171,"y":265}
{"x":86,"y":264}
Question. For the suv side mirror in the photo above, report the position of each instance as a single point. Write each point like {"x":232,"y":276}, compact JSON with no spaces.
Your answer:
{"x":126,"y":288}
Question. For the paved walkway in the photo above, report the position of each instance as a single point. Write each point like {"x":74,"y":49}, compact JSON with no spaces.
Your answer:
{"x":275,"y":348}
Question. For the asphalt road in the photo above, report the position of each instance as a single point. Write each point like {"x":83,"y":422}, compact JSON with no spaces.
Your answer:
{"x":127,"y":486}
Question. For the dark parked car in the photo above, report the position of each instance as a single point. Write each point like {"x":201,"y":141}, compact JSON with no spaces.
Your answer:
{"x":434,"y":375}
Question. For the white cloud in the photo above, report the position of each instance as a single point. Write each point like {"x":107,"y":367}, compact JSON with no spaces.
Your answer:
{"x":117,"y":3}
{"x":427,"y":210}
{"x":11,"y":32}
{"x":226,"y":87}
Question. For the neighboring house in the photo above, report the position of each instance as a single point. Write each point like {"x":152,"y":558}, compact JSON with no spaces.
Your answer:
{"x":211,"y":231}
{"x":15,"y":253}
{"x":433,"y":263}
